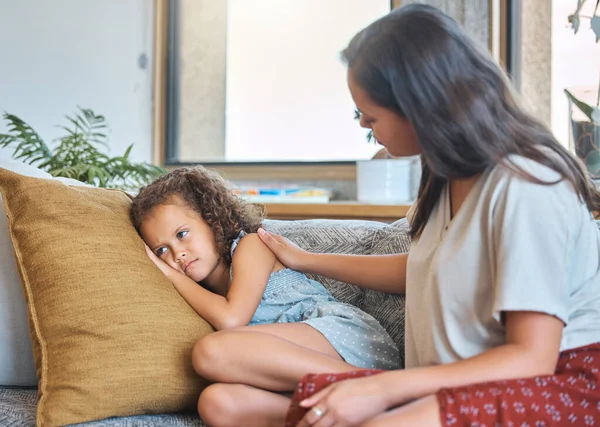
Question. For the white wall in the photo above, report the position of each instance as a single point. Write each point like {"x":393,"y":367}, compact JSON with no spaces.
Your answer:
{"x":286,"y":85}
{"x":57,"y":54}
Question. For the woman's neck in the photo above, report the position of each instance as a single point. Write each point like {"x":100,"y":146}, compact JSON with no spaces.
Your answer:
{"x":459,"y":190}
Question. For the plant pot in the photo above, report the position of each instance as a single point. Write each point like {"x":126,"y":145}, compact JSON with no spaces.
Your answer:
{"x":584,"y":138}
{"x":388,"y":181}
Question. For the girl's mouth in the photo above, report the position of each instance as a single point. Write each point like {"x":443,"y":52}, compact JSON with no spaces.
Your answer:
{"x":187,"y":265}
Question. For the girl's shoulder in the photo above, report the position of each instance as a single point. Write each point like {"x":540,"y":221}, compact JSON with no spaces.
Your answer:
{"x":250,"y":239}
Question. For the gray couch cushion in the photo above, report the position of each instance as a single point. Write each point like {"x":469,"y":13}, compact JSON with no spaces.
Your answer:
{"x":18,"y":406}
{"x":388,"y":308}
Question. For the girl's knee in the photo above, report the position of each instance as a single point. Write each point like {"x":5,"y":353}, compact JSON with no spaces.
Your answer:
{"x":217,"y":407}
{"x":208,"y":353}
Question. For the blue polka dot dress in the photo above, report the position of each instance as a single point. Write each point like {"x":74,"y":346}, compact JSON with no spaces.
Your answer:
{"x":358,"y":338}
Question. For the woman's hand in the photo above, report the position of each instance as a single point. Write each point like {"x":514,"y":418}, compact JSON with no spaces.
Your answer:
{"x":286,"y":252}
{"x":346,"y":403}
{"x":163,"y":266}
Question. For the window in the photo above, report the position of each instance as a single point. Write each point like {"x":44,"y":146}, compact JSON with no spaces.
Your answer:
{"x":195,"y":92}
{"x":262,"y":81}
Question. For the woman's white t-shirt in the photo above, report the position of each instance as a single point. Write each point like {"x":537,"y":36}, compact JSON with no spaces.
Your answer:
{"x":514,"y":245}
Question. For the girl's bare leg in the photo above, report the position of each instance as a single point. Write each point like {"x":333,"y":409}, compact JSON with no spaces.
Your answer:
{"x":237,"y":405}
{"x":424,"y":412}
{"x":272,"y":357}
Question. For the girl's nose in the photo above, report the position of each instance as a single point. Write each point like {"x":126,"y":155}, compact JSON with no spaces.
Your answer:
{"x":180,"y":257}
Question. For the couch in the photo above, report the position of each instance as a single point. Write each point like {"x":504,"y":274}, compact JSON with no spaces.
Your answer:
{"x":18,"y":403}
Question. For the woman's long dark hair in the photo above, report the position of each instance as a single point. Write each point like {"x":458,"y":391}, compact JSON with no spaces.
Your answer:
{"x":420,"y":63}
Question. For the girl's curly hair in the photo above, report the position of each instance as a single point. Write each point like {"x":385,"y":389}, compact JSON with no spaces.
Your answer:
{"x":207,"y":194}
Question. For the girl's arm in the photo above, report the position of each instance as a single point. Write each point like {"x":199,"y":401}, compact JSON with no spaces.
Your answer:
{"x":532,"y":349}
{"x":385,"y":273}
{"x":253,"y":263}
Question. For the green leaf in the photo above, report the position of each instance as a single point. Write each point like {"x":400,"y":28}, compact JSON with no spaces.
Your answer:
{"x":127,"y":151}
{"x":6,"y":140}
{"x":24,"y":136}
{"x":585,"y":108}
{"x":595,"y":24}
{"x":575,"y":22}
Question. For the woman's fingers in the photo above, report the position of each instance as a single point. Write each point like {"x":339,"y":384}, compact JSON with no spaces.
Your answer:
{"x":314,"y":416}
{"x":312,"y":400}
{"x":270,"y":239}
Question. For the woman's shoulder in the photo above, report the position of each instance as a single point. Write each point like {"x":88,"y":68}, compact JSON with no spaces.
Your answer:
{"x":523,"y":186}
{"x":520,"y":176}
{"x":518,"y":167}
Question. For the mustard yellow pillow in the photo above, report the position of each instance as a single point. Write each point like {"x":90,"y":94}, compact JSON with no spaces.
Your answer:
{"x":111,"y":336}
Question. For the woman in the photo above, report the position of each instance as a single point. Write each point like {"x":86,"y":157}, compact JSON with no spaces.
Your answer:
{"x":503,"y":275}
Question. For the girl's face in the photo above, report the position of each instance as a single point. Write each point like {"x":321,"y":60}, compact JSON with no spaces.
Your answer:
{"x":390,"y":129}
{"x":181,"y":238}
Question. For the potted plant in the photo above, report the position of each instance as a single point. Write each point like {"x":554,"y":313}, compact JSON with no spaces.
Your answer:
{"x":77,"y":154}
{"x":585,"y":113}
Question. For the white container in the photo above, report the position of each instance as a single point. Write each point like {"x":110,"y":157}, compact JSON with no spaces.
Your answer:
{"x":388,"y":181}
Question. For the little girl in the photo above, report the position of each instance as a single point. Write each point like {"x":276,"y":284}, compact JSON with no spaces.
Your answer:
{"x":274,"y":324}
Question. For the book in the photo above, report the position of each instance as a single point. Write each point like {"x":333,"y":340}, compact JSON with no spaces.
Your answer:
{"x":278,"y":194}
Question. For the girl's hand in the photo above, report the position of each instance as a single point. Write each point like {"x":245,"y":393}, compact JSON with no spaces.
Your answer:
{"x":346,"y":403}
{"x":163,"y":266}
{"x":288,"y":253}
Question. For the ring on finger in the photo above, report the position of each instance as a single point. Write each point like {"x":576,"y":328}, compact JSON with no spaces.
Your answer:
{"x":318,"y":411}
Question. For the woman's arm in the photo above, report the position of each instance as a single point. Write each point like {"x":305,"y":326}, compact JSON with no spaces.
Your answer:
{"x":532,"y":349}
{"x":386,"y":273}
{"x":253,"y":263}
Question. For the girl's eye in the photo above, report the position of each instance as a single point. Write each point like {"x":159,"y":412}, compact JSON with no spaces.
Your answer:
{"x":161,"y":251}
{"x":182,"y":234}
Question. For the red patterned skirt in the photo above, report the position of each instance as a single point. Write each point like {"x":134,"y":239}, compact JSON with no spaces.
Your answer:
{"x":570,"y":397}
